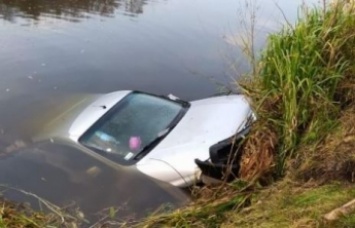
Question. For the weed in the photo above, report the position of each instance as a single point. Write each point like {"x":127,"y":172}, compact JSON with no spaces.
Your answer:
{"x":304,"y":83}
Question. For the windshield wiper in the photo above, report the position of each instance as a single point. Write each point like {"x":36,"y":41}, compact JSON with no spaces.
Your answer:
{"x":152,"y":144}
{"x":162,"y":134}
{"x":95,"y":148}
{"x":183,"y":103}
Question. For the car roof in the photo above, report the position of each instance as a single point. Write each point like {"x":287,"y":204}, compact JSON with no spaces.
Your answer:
{"x":62,"y":173}
{"x":93,"y":112}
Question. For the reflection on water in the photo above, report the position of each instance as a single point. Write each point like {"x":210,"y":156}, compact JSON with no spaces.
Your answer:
{"x":71,"y":10}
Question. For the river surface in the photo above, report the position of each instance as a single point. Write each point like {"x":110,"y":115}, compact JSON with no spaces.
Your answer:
{"x":54,"y":49}
{"x":52,"y":52}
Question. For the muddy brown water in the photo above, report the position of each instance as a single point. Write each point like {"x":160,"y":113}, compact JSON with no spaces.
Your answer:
{"x":52,"y":52}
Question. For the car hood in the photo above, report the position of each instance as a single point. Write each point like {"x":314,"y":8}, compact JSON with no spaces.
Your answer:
{"x":206,"y":123}
{"x":64,"y":175}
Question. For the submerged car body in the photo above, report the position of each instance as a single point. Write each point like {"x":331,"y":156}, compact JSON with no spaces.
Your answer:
{"x":60,"y":174}
{"x":161,"y":136}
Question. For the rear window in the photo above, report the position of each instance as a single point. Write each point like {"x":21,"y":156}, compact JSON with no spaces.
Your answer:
{"x":131,"y":125}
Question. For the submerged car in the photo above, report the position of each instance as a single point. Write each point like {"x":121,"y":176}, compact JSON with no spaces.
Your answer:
{"x":62,"y":177}
{"x":160,"y":136}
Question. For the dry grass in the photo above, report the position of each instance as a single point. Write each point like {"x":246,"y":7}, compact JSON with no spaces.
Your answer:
{"x":332,"y":160}
{"x":258,"y":154}
{"x":208,"y":210}
{"x":288,"y":204}
{"x":18,"y":216}
{"x":21,"y":215}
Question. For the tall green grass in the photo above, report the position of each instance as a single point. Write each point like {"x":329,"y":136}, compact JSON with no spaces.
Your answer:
{"x":300,"y":89}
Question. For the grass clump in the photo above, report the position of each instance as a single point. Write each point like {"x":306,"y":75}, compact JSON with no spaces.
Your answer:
{"x":305,"y":82}
{"x":18,"y":216}
{"x":209,"y":209}
{"x":291,"y":205}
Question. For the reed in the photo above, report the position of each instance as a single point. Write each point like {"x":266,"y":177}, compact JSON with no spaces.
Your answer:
{"x":305,"y":81}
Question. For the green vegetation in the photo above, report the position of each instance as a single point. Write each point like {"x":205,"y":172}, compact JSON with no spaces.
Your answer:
{"x":305,"y":82}
{"x":284,"y":204}
{"x":288,"y":205}
{"x":298,"y":162}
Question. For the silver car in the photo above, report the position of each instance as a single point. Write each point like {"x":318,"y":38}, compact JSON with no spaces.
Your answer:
{"x":161,"y":136}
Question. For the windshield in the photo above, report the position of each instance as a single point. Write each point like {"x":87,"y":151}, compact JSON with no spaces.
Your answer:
{"x":131,"y":126}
